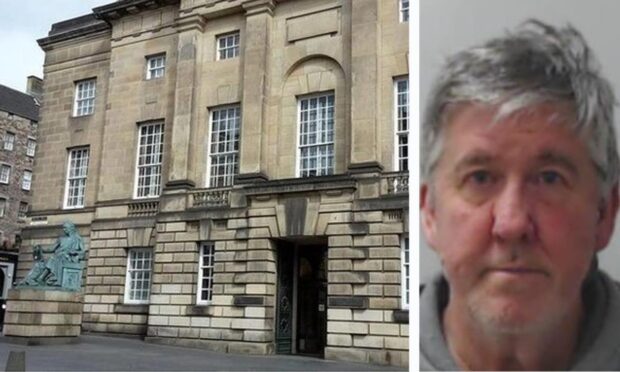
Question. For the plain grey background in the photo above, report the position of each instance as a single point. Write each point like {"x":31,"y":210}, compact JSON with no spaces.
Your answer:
{"x":447,"y":26}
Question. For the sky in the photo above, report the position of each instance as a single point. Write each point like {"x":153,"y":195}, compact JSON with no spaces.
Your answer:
{"x":22,"y":22}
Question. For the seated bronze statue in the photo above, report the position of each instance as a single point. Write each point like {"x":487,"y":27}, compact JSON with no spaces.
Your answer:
{"x":63,"y":269}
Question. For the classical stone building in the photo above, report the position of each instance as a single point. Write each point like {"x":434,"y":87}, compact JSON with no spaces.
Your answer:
{"x":19,"y":116}
{"x":238,"y":171}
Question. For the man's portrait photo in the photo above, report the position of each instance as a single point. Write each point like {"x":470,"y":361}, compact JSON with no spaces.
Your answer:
{"x":519,"y":191}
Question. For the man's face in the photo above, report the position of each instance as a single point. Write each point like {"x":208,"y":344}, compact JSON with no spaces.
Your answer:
{"x":515,"y":212}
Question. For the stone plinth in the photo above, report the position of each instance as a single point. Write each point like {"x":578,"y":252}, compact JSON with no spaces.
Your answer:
{"x":35,"y":316}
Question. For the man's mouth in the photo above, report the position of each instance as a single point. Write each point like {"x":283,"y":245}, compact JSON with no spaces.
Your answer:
{"x":518,"y":271}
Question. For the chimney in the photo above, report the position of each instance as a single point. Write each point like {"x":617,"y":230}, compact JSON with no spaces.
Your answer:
{"x":34,"y":87}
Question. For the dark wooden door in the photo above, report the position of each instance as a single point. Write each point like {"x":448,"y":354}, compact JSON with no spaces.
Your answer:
{"x":284,"y":316}
{"x":311,"y":298}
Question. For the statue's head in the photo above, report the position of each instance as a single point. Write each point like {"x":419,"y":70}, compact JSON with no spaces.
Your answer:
{"x":68,"y":227}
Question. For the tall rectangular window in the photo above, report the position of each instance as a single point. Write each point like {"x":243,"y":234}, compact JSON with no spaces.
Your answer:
{"x":405,"y":272}
{"x":2,"y":207}
{"x":138,"y":279}
{"x":27,"y":180}
{"x":404,"y":10}
{"x":224,"y":146}
{"x":228,"y":46}
{"x":77,"y":172}
{"x":205,"y":273}
{"x":316,"y":135}
{"x":31,"y":147}
{"x":401,"y":109}
{"x":155,"y":66}
{"x":5,"y":173}
{"x":9,"y":141}
{"x":23,"y":210}
{"x":150,"y":156}
{"x":84,"y":98}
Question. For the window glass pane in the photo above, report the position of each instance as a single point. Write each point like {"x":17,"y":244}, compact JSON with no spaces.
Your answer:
{"x":228,"y":46}
{"x":401,"y":108}
{"x":316,"y":139}
{"x":84,"y":98}
{"x":149,"y":160}
{"x":76,"y":178}
{"x":224,"y":149}
{"x":205,"y":271}
{"x":139,"y":267}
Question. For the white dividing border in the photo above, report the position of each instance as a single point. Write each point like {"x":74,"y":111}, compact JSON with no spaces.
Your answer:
{"x":414,"y":182}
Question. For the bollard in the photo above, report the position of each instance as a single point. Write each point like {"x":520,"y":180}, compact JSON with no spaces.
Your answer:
{"x":16,"y":361}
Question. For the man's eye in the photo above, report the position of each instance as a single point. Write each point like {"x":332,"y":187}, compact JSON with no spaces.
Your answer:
{"x":481,"y":177}
{"x":549,"y":177}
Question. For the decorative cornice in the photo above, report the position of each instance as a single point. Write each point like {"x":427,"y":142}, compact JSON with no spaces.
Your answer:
{"x":190,"y":22}
{"x":122,"y":8}
{"x":305,"y":184}
{"x":74,"y":28}
{"x":259,"y":6}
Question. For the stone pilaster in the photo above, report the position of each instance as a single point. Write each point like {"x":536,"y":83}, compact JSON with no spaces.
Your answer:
{"x":187,"y":83}
{"x":259,"y":15}
{"x":365,"y":97}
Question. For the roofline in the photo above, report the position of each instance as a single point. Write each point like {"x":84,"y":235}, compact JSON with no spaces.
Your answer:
{"x":72,"y":28}
{"x":6,"y":109}
{"x":121,"y":8}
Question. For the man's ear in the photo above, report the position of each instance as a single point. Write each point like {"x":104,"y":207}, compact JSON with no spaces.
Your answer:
{"x":608,"y":210}
{"x":427,"y":208}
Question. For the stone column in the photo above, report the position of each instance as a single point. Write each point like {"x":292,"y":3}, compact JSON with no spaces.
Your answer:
{"x":190,"y":30}
{"x":365,"y":99}
{"x":259,"y":15}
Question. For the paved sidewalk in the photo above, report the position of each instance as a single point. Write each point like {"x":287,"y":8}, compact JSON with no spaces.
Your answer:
{"x":100,"y":353}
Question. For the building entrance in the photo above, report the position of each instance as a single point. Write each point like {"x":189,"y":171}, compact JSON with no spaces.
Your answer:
{"x":6,"y":282}
{"x":301,"y":319}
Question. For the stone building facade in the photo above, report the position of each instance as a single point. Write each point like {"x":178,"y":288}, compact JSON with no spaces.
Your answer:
{"x":238,"y":171}
{"x":19,"y":116}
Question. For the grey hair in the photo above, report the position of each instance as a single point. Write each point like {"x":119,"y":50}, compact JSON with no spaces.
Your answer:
{"x":537,"y":63}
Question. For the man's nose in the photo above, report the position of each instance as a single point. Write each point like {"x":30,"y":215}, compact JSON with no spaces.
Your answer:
{"x":512,"y":219}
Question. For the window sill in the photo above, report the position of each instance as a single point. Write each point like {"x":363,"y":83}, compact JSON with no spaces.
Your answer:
{"x":131,"y":308}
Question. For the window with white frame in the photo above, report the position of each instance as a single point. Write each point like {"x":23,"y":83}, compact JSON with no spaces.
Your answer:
{"x":84,"y":103}
{"x":405,"y":272}
{"x":3,"y":205}
{"x":223,"y":161}
{"x":228,"y":45}
{"x":31,"y":147}
{"x":5,"y":173}
{"x":9,"y":141}
{"x":205,"y":273}
{"x":401,"y":118}
{"x":316,"y":135}
{"x":150,"y":155}
{"x":138,"y":279}
{"x":23,"y":210}
{"x":77,"y":172}
{"x":27,"y":180}
{"x":155,"y":66}
{"x":404,"y":10}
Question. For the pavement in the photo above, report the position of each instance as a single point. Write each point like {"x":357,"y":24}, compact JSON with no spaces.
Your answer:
{"x":103,"y":353}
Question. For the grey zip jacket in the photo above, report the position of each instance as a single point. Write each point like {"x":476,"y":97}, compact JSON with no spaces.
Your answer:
{"x":599,"y":341}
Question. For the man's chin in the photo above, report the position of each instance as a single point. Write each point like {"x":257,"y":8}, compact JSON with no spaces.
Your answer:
{"x":505,"y":316}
